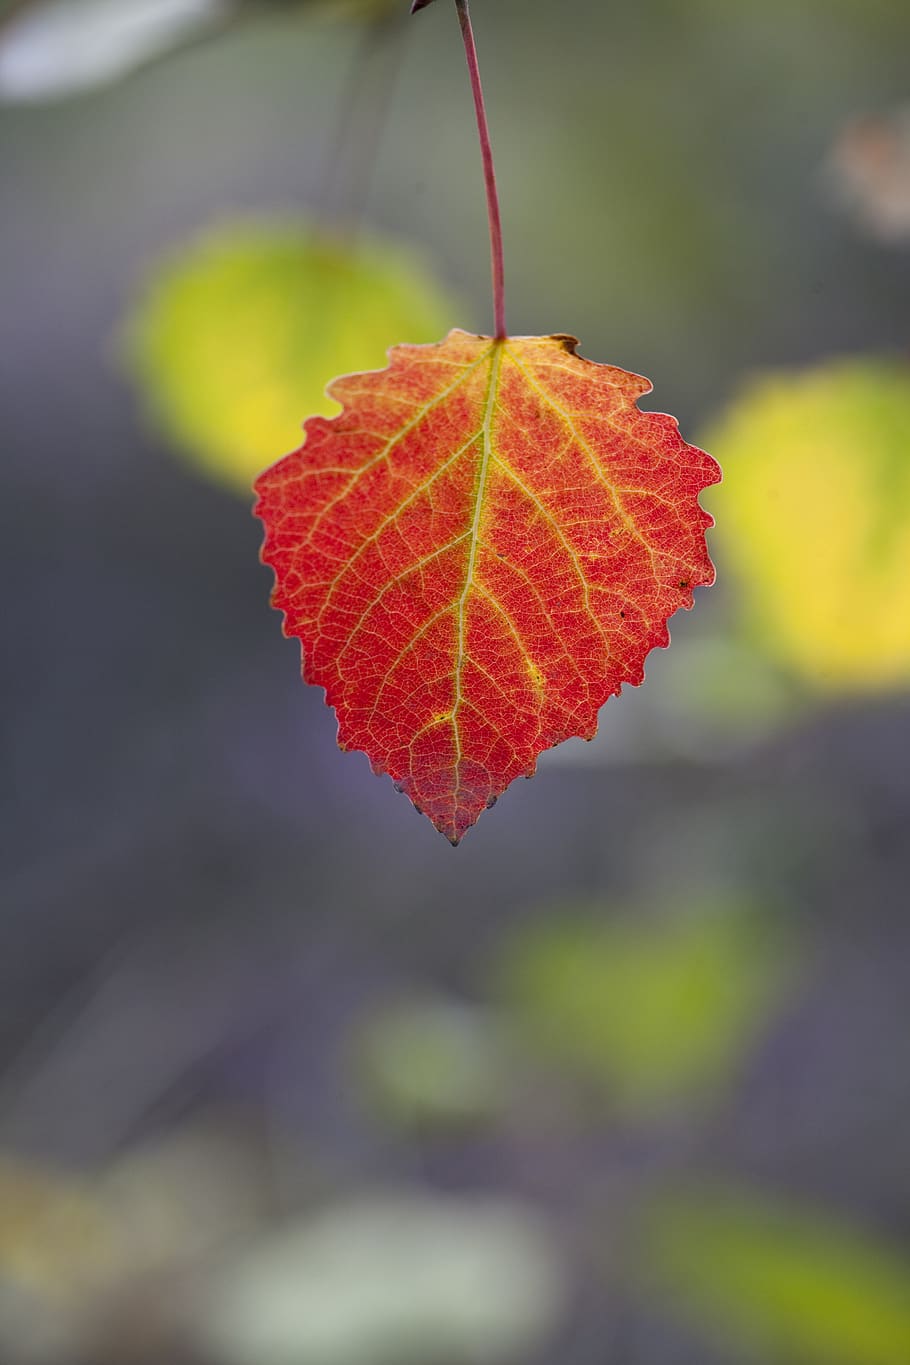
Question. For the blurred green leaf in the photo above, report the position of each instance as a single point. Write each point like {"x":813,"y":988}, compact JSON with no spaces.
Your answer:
{"x":432,"y":1061}
{"x":652,"y":1011}
{"x":795,"y":1286}
{"x":400,"y":1279}
{"x":813,"y":518}
{"x":237,"y":336}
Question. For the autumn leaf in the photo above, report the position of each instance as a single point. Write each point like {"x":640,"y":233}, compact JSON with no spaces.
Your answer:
{"x":479,"y":550}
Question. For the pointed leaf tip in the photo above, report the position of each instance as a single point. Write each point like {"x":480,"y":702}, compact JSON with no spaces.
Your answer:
{"x":477,"y":552}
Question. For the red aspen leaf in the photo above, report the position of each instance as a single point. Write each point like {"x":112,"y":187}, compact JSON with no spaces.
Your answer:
{"x":477,"y":552}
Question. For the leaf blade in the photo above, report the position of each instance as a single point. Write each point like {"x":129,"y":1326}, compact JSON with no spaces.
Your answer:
{"x":508,"y":499}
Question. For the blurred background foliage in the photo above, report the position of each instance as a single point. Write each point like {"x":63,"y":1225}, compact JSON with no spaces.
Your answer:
{"x":240,"y":336}
{"x":649,"y":1009}
{"x":282,"y":1079}
{"x":766,"y":1275}
{"x":818,"y":494}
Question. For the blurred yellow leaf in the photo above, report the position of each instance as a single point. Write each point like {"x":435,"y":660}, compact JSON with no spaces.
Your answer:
{"x":236,"y":337}
{"x":795,"y":1286}
{"x":652,"y":1011}
{"x":814,"y":519}
{"x":55,"y":1238}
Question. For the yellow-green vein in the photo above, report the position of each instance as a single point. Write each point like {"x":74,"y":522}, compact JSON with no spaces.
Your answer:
{"x":486,"y":455}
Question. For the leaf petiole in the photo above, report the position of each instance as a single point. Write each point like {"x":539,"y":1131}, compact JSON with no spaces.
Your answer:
{"x":489,"y":174}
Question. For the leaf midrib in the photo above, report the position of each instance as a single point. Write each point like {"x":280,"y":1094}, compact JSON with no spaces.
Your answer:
{"x":486,"y":457}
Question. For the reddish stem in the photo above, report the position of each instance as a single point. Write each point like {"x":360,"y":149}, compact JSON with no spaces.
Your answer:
{"x":489,"y":174}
